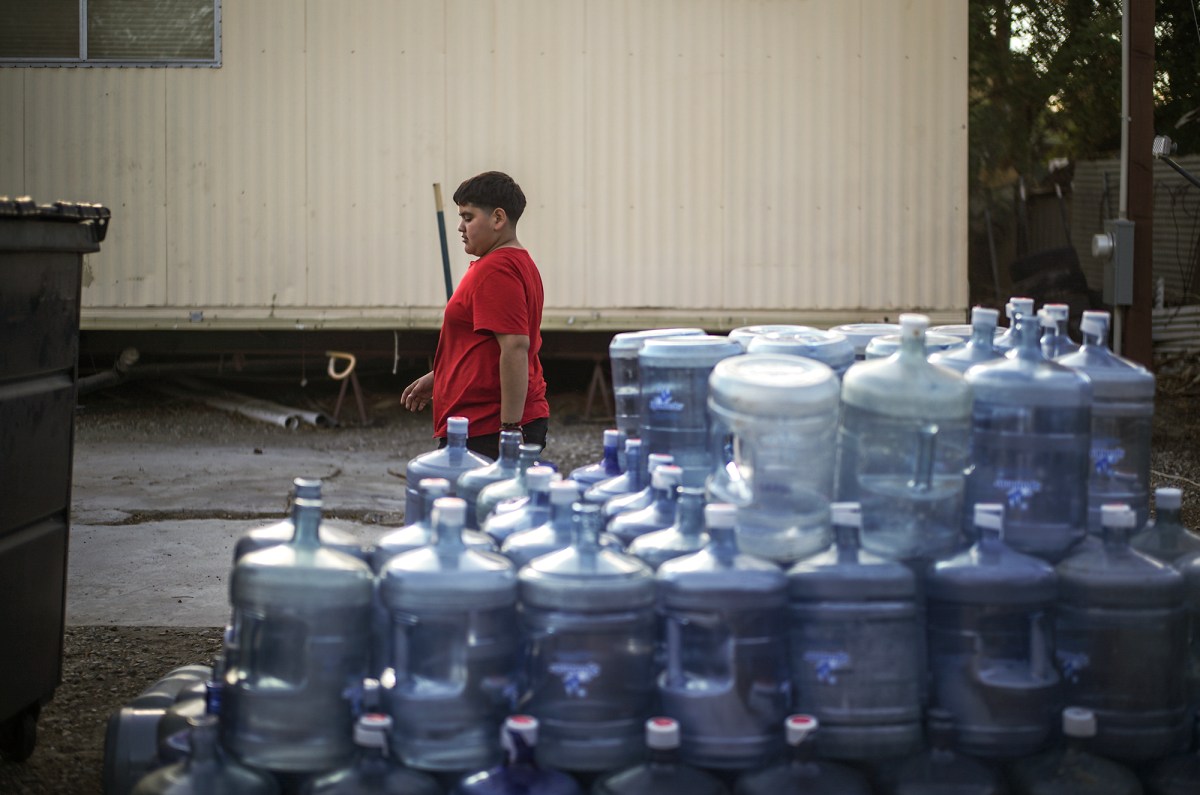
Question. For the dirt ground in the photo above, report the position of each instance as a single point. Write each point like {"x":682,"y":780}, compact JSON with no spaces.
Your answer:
{"x":105,"y":666}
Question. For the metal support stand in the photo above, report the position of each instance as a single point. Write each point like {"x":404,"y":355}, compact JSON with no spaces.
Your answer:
{"x":348,"y":378}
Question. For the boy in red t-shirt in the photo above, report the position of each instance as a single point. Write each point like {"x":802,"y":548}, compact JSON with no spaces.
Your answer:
{"x":486,"y":367}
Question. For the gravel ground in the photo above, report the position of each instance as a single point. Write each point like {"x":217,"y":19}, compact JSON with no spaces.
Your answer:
{"x":106,"y":666}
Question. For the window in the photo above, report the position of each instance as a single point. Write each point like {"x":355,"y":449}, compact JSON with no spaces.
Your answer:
{"x":110,"y":33}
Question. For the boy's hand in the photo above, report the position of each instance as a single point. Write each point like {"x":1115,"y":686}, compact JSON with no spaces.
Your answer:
{"x":417,"y":395}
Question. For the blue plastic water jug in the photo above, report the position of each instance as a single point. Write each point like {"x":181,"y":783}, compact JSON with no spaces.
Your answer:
{"x":1016,"y":307}
{"x":663,"y":772}
{"x":726,"y":678}
{"x":774,"y":421}
{"x":506,"y":493}
{"x":659,"y":514}
{"x":421,"y":533}
{"x":448,"y":462}
{"x":626,"y":374}
{"x":520,"y":773}
{"x":453,"y":649}
{"x":1122,"y":643}
{"x":1056,"y":341}
{"x":557,"y":532}
{"x":609,"y":465}
{"x":861,"y":334}
{"x":301,"y":626}
{"x":979,"y":348}
{"x":374,"y":771}
{"x":207,"y":770}
{"x":831,"y":348}
{"x":1070,"y":769}
{"x":1031,"y":431}
{"x":333,"y":534}
{"x":685,"y":536}
{"x":674,"y":383}
{"x":532,"y":512}
{"x":633,"y":479}
{"x":1122,"y":412}
{"x":588,"y":630}
{"x":855,"y":642}
{"x":636,"y":500}
{"x":473,"y":481}
{"x":940,"y":770}
{"x":802,"y":771}
{"x":884,"y":346}
{"x":990,"y":613}
{"x":902,"y":449}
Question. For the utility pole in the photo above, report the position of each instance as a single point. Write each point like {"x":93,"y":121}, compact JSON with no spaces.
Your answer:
{"x":1137,"y":344}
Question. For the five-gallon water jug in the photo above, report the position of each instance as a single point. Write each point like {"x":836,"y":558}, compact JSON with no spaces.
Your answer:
{"x":1177,"y":775}
{"x":659,"y":514}
{"x":633,"y":479}
{"x":588,"y":629}
{"x":940,"y":770}
{"x":774,"y":421}
{"x":301,"y":625}
{"x":990,"y":613}
{"x":520,"y":773}
{"x":861,"y":334}
{"x":662,"y":773}
{"x":626,"y":375}
{"x":979,"y":347}
{"x":555,"y":533}
{"x":1122,"y":645}
{"x":609,"y":465}
{"x":530,"y":513}
{"x":449,"y":462}
{"x":855,"y":636}
{"x":1122,"y":412}
{"x":636,"y":500}
{"x":886,"y":345}
{"x":207,"y":770}
{"x":674,"y":383}
{"x":802,"y":771}
{"x":471,"y":482}
{"x":726,"y":678}
{"x":1165,"y":538}
{"x":1056,"y":341}
{"x":1015,"y":308}
{"x":1069,"y":769}
{"x":902,"y":449}
{"x":685,"y":536}
{"x":420,"y":533}
{"x":505,"y":493}
{"x":453,"y":649}
{"x":831,"y":348}
{"x":743,"y":335}
{"x":1031,"y":431}
{"x":373,"y":771}
{"x":333,"y":534}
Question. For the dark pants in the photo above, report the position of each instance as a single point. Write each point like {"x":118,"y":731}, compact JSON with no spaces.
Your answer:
{"x":534,"y":432}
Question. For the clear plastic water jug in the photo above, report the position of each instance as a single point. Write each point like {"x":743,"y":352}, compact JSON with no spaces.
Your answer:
{"x":207,"y":770}
{"x":421,"y":533}
{"x":1122,"y":643}
{"x":531,"y":513}
{"x":374,"y":771}
{"x":659,"y":514}
{"x":1031,"y":432}
{"x":1122,"y":412}
{"x":588,"y":629}
{"x":663,"y":772}
{"x":990,"y":614}
{"x":774,"y":421}
{"x":636,"y":500}
{"x":633,"y":479}
{"x":609,"y":465}
{"x":861,"y":334}
{"x":979,"y":347}
{"x":520,"y":773}
{"x":1070,"y":769}
{"x":745,"y":334}
{"x":448,"y":462}
{"x":626,"y":374}
{"x":1164,"y":537}
{"x":802,"y":771}
{"x":301,"y":626}
{"x":473,"y":481}
{"x":453,"y":649}
{"x":1016,"y":307}
{"x":674,"y":385}
{"x":558,"y":532}
{"x":831,"y":348}
{"x":333,"y":534}
{"x":508,"y":491}
{"x":1056,"y":341}
{"x":726,"y":677}
{"x":902,"y":449}
{"x":685,"y":536}
{"x":855,"y":641}
{"x":1177,"y":775}
{"x":886,"y":345}
{"x":940,"y":769}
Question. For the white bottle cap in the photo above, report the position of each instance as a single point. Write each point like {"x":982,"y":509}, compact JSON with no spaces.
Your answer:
{"x":612,"y":437}
{"x":1079,"y":722}
{"x":1094,"y":322}
{"x":449,"y":510}
{"x":1046,"y":319}
{"x":563,"y":492}
{"x":666,"y":476}
{"x":912,"y":325}
{"x":435,"y":487}
{"x":371,"y":730}
{"x":1058,"y":311}
{"x":1169,"y":498}
{"x":984,"y":315}
{"x":799,"y":728}
{"x":662,"y":734}
{"x":846,"y":514}
{"x":538,"y":478}
{"x":720,"y":515}
{"x":524,"y":726}
{"x":1117,"y":515}
{"x":1020,"y":306}
{"x":457,"y":425}
{"x":989,"y":515}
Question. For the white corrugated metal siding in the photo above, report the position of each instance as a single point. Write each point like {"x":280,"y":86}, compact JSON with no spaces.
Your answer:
{"x":719,"y":161}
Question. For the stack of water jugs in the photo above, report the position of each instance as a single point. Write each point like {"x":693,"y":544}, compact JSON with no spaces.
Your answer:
{"x":808,"y":561}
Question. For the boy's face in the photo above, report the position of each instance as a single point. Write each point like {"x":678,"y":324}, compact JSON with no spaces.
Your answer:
{"x":479,"y":228}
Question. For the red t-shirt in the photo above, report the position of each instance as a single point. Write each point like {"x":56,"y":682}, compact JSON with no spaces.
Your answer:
{"x":501,"y":293}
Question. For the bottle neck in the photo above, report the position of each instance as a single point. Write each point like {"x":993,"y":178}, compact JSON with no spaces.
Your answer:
{"x":539,"y":499}
{"x":983,"y":335}
{"x":561,"y":519}
{"x":306,"y":518}
{"x":1029,"y":343}
{"x":664,"y":500}
{"x":663,"y":757}
{"x":1116,"y":538}
{"x":1168,"y":521}
{"x":448,"y":539}
{"x":612,"y":462}
{"x":846,"y":537}
{"x":723,"y":543}
{"x":912,"y":346}
{"x":689,"y":515}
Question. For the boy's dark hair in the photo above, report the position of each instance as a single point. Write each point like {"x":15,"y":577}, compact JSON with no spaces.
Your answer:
{"x":490,"y":190}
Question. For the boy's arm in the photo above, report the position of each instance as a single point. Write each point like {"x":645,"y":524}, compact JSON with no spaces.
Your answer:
{"x":514,"y":375}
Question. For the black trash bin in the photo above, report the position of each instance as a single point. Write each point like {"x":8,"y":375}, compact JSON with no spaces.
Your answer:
{"x":41,"y":259}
